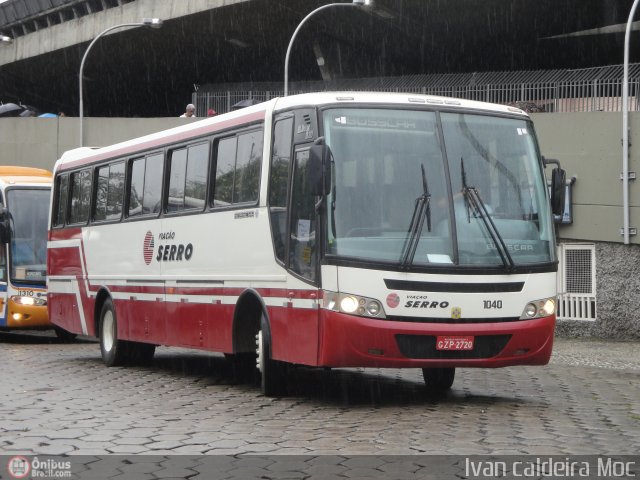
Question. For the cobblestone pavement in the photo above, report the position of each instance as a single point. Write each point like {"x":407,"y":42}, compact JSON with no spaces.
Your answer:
{"x":58,"y":399}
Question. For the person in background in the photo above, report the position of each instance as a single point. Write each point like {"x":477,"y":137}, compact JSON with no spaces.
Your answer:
{"x":211,"y":113}
{"x":189,"y":112}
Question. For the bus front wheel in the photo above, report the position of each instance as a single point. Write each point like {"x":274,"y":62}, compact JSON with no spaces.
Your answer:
{"x":114,"y":352}
{"x":438,"y":379}
{"x":272,"y":373}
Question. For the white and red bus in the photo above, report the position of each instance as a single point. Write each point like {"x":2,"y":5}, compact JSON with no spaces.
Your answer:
{"x":327,"y":229}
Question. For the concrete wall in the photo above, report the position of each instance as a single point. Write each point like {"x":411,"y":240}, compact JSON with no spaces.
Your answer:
{"x":589,"y":146}
{"x":39,"y":142}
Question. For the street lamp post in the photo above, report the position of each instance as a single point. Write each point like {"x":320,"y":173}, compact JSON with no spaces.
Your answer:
{"x":355,"y":3}
{"x":625,"y":127}
{"x":149,"y":22}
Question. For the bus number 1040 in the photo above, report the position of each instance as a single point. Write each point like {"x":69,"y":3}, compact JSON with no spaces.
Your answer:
{"x":492,"y":304}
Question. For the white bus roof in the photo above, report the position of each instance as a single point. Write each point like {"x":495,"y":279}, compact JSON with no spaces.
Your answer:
{"x":324,"y":98}
{"x":83,"y":155}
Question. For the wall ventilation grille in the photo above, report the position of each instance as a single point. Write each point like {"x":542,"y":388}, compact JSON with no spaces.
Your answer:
{"x":577,"y":282}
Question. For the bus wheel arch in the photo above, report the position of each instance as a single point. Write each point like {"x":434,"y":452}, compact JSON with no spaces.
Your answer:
{"x":246,"y":321}
{"x":252,"y":343}
{"x":102,"y":296}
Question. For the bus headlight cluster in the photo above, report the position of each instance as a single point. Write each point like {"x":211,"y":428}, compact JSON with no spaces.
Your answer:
{"x":29,"y":301}
{"x":352,"y":304}
{"x":539,"y":308}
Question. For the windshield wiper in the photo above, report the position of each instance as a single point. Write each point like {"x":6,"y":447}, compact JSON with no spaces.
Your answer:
{"x":421,"y":211}
{"x":473,"y":200}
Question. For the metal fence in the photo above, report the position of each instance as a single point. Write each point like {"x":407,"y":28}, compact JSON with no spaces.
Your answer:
{"x":583,"y":90}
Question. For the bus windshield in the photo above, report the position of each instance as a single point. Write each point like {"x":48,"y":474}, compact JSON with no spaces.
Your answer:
{"x":475,"y":180}
{"x":28,"y":210}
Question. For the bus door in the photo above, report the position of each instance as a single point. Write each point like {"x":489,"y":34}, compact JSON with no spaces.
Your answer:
{"x":4,"y":237}
{"x":302,"y":314}
{"x":3,"y":285}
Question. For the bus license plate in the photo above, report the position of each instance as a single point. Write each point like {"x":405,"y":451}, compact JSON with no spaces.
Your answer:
{"x":454,"y":343}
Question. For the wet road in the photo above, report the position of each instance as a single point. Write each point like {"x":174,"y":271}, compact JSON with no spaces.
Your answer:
{"x":58,"y":398}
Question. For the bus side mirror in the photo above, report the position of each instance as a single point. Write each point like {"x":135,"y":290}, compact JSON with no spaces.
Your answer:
{"x":558,"y":184}
{"x":5,"y":229}
{"x":319,"y":170}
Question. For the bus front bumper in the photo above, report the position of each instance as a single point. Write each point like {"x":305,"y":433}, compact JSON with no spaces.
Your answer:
{"x":27,"y":316}
{"x":351,"y":341}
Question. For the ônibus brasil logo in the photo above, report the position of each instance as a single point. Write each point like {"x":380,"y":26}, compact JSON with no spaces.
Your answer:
{"x":19,"y":467}
{"x":147,"y":248}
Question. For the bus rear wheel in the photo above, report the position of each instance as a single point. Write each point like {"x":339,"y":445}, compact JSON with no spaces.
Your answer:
{"x":114,"y":352}
{"x":273,"y":381}
{"x":438,"y":379}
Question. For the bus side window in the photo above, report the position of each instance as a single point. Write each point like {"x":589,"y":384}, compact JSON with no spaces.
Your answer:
{"x":115,"y":191}
{"x":246,"y":184}
{"x":152,"y":200}
{"x":278,"y":181}
{"x":136,"y":187}
{"x":177,"y":176}
{"x":102,"y":189}
{"x":188,"y":178}
{"x":237,"y":177}
{"x":145,"y":185}
{"x":62,"y":183}
{"x":80,"y":196}
{"x":195,"y":188}
{"x":225,"y":170}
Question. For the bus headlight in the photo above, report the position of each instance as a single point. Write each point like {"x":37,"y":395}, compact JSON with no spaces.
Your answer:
{"x":539,"y":308}
{"x":352,"y":304}
{"x":349,"y":304}
{"x":29,"y":301}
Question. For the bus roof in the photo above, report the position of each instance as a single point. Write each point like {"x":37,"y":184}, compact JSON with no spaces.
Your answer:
{"x":258,"y":112}
{"x":389,"y":98}
{"x":15,"y":175}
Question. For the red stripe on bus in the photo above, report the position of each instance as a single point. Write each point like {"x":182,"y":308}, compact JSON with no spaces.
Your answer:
{"x":65,"y":234}
{"x":207,"y":291}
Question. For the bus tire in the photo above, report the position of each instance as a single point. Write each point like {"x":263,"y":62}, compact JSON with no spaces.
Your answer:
{"x":114,"y":352}
{"x":273,"y":381}
{"x":64,"y":336}
{"x":438,"y":379}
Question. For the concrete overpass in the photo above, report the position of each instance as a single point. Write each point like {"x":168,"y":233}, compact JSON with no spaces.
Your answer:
{"x":144,"y":72}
